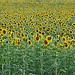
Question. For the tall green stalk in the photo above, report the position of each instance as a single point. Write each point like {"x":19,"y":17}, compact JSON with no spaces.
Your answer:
{"x":2,"y":70}
{"x":41,"y":62}
{"x":56,"y":64}
{"x":23,"y":62}
{"x":9,"y":58}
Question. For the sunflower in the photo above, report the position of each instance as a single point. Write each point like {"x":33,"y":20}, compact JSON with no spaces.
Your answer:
{"x":69,"y":41}
{"x":45,"y":42}
{"x":71,"y":37}
{"x":63,"y":29}
{"x":57,"y":36}
{"x":37,"y":38}
{"x":70,"y":31}
{"x":29,"y":42}
{"x":48,"y":38}
{"x":43,"y":33}
{"x":66,"y":45}
{"x":36,"y":30}
{"x":2,"y":24}
{"x":64,"y":25}
{"x":31,"y":34}
{"x":22,"y":34}
{"x":63,"y":39}
{"x":44,"y":28}
{"x":63,"y":33}
{"x":4,"y":32}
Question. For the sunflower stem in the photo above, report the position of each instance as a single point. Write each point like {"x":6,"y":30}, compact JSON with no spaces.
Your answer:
{"x":9,"y":59}
{"x":2,"y":70}
{"x":56,"y":64}
{"x":65,"y":59}
{"x":23,"y":63}
{"x":41,"y":62}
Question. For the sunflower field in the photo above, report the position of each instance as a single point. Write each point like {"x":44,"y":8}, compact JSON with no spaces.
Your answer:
{"x":37,"y":37}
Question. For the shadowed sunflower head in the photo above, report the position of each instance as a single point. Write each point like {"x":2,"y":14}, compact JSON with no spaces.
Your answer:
{"x":45,"y":42}
{"x":29,"y":42}
{"x":66,"y":45}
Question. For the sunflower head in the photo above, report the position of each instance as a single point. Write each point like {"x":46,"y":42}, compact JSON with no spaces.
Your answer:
{"x":63,"y":39}
{"x":45,"y":42}
{"x":66,"y":45}
{"x":63,"y":33}
{"x":44,"y":28}
{"x":22,"y":34}
{"x":29,"y":42}
{"x":4,"y":32}
{"x":48,"y":38}
{"x":70,"y":31}
{"x":31,"y":34}
{"x":37,"y":38}
{"x":57,"y":36}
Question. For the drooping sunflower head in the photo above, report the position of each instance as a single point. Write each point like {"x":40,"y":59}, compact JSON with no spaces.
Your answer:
{"x":45,"y":42}
{"x":66,"y":45}
{"x":29,"y":43}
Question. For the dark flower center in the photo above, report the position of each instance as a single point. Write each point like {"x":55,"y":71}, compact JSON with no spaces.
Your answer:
{"x":45,"y":42}
{"x":4,"y":31}
{"x":49,"y":38}
{"x":29,"y":42}
{"x":37,"y":38}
